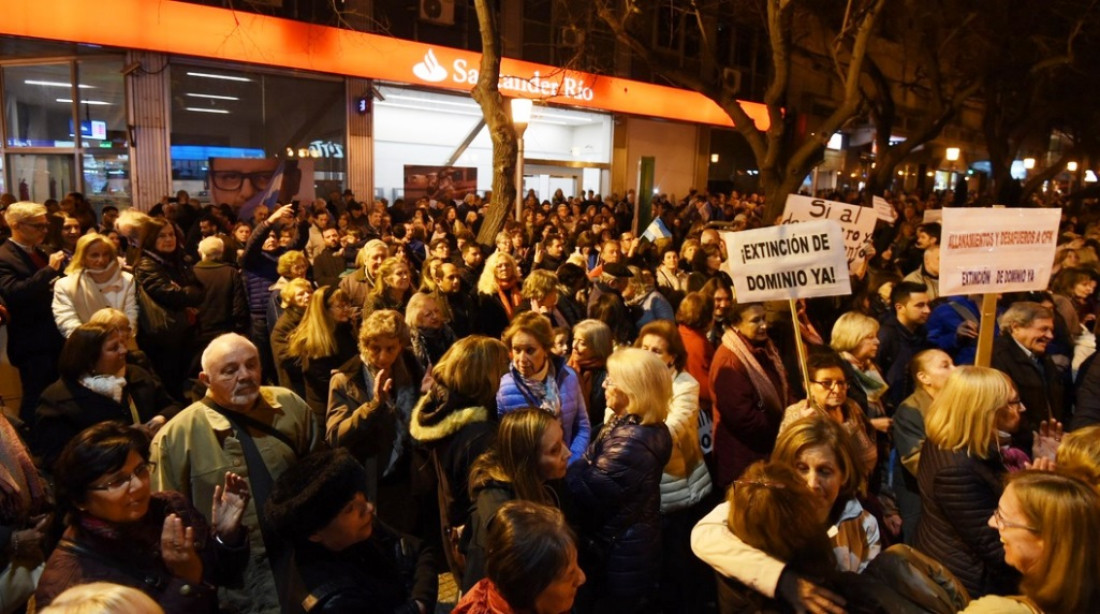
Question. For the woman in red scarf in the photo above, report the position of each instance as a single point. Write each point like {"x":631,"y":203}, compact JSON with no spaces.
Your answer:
{"x":499,"y":293}
{"x":750,"y":393}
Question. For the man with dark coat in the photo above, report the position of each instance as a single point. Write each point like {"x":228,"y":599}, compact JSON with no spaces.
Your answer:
{"x":1020,"y":353}
{"x":224,"y":307}
{"x":329,"y":263}
{"x":902,"y":337}
{"x":27,"y":275}
{"x":459,"y":303}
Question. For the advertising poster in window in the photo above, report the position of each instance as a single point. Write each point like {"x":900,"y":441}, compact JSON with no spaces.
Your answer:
{"x":245,"y":183}
{"x":433,"y":182}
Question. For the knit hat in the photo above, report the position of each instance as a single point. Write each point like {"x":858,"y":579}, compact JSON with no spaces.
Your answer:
{"x":309,"y":494}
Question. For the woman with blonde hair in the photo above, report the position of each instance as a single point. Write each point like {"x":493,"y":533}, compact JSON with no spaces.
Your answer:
{"x":1048,"y":524}
{"x":499,"y":292}
{"x":528,"y":452}
{"x":592,"y":345}
{"x":102,"y":598}
{"x":429,"y":332}
{"x":1079,"y":454}
{"x":392,"y":287}
{"x":322,"y":342}
{"x":855,"y":338}
{"x":453,"y":422}
{"x":93,"y":280}
{"x":294,"y":298}
{"x":292,"y":265}
{"x":370,"y":402}
{"x":961,"y":477}
{"x":616,"y":484}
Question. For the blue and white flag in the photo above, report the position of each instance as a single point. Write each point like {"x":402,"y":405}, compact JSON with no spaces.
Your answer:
{"x":657,"y":230}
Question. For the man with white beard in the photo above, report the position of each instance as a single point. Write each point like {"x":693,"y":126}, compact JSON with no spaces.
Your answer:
{"x":252,"y":430}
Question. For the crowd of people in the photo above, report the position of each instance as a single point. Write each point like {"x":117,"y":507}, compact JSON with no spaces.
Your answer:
{"x":323,"y":406}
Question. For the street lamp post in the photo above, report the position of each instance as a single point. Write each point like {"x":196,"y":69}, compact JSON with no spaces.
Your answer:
{"x":521,"y":116}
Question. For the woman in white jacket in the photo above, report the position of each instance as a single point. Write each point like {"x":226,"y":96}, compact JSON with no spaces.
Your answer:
{"x":685,"y":482}
{"x":94,"y":280}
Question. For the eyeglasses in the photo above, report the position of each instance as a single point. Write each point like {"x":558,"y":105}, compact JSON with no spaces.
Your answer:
{"x":831,"y":384}
{"x":36,"y":226}
{"x":233,"y":180}
{"x":1017,"y":404}
{"x":1001,"y":523}
{"x":141,"y":473}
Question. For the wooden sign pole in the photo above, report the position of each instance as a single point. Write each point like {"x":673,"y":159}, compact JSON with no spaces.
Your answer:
{"x":985,"y":331}
{"x":800,"y":346}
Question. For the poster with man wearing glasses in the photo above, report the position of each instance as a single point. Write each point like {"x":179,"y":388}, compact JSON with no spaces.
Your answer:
{"x":244,"y":183}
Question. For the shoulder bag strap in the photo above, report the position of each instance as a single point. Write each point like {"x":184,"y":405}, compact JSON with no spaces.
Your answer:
{"x":279,"y":553}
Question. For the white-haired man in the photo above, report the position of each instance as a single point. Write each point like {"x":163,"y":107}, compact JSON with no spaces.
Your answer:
{"x":255,"y":431}
{"x":27,"y":275}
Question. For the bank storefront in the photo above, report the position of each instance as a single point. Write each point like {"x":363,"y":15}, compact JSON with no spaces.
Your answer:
{"x":129,"y":101}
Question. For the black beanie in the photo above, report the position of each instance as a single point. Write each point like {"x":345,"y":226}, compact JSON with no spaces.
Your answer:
{"x":309,"y":494}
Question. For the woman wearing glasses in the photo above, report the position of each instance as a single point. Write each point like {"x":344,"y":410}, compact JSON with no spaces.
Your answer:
{"x":961,"y":477}
{"x":119,"y":532}
{"x":322,"y":342}
{"x":1037,"y":511}
{"x":829,"y":396}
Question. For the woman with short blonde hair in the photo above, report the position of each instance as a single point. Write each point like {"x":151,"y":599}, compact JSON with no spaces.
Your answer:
{"x":93,"y":280}
{"x":616,"y":484}
{"x":963,"y":416}
{"x":961,"y":477}
{"x":1079,"y":454}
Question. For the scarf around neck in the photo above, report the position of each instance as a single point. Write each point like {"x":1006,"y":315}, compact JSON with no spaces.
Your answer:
{"x":772,"y":398}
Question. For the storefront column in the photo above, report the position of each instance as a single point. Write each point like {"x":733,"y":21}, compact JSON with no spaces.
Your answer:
{"x":149,"y":119}
{"x":360,"y":150}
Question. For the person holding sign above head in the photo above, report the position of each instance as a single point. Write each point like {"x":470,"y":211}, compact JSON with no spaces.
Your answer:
{"x":750,"y":390}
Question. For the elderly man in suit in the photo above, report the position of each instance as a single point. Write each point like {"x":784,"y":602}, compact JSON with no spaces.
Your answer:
{"x":27,"y":275}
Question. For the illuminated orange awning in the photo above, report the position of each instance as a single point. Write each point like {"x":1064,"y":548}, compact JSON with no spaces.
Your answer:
{"x":209,"y":32}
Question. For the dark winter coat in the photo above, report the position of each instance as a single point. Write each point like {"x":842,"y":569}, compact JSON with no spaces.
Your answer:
{"x":27,"y":291}
{"x":131,"y":557}
{"x":1041,"y":387}
{"x":959,"y":493}
{"x":172,"y":285}
{"x":224,"y":307}
{"x":616,"y":488}
{"x":66,"y":408}
{"x":383,"y":574}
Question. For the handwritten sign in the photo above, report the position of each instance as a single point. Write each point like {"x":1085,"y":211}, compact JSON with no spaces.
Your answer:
{"x":997,"y":250}
{"x":857,"y":223}
{"x":884,"y":210}
{"x":788,"y":261}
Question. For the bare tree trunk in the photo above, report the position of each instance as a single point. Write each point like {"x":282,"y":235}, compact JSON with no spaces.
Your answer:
{"x":499,"y":122}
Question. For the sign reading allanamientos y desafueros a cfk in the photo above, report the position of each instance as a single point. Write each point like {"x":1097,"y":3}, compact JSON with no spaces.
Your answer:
{"x":997,"y":250}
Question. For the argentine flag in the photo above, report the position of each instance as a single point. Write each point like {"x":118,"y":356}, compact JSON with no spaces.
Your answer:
{"x":657,"y":230}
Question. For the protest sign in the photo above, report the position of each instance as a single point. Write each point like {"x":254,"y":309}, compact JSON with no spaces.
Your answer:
{"x":788,"y":261}
{"x":884,"y":210}
{"x":932,"y":215}
{"x":997,"y":250}
{"x":857,"y":223}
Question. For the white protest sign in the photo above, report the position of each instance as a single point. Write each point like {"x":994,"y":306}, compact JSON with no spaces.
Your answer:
{"x":884,"y":210}
{"x":932,"y":215}
{"x":997,"y":250}
{"x":857,"y":223}
{"x":788,"y":261}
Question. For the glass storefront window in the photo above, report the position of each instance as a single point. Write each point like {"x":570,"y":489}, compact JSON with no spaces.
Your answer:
{"x":37,"y":177}
{"x":221,"y":113}
{"x":102,"y":104}
{"x":38,"y":105}
{"x":107,"y":178}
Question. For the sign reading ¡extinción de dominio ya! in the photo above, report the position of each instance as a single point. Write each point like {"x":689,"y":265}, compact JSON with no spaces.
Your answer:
{"x":788,"y":261}
{"x":857,"y":224}
{"x":997,"y":250}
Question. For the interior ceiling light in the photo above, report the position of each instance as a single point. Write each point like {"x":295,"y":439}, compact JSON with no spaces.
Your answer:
{"x":211,"y":96}
{"x":57,"y":84}
{"x":207,"y":75}
{"x":202,"y":110}
{"x":91,"y":102}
